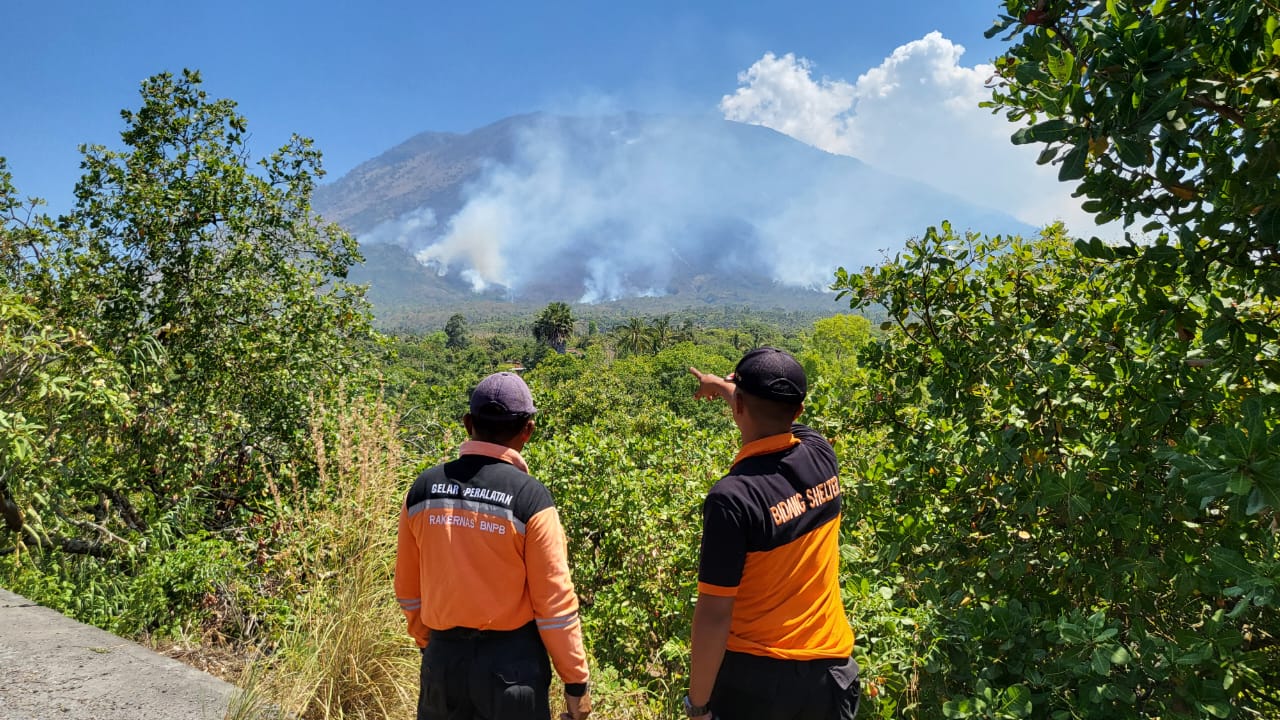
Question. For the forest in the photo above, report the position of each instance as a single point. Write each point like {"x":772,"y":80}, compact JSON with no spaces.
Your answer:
{"x":1060,"y":458}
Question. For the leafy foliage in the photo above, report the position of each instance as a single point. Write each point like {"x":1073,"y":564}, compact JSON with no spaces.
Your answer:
{"x":62,"y":395}
{"x":554,"y":326}
{"x":1163,"y":110}
{"x":1084,"y":507}
{"x":456,"y":332}
{"x":164,"y":344}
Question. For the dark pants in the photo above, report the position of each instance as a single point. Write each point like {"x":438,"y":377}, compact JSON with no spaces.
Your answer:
{"x":750,"y":687}
{"x":473,"y":675}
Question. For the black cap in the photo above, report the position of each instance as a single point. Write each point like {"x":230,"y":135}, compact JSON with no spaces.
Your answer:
{"x":502,"y":396}
{"x":771,"y":374}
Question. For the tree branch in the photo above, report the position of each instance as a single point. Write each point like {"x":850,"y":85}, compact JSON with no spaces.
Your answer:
{"x":1225,"y":111}
{"x":86,"y":525}
{"x":127,"y":512}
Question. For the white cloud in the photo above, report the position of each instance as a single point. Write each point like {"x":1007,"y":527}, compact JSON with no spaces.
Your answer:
{"x":915,"y":115}
{"x":780,"y":94}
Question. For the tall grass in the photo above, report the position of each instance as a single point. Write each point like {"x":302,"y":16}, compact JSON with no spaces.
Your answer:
{"x":347,"y":654}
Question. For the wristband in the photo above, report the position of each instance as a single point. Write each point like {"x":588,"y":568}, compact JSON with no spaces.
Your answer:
{"x":695,"y":711}
{"x":575,"y":689}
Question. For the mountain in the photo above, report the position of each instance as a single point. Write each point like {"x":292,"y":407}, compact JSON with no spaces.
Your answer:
{"x":693,"y":211}
{"x":427,"y":170}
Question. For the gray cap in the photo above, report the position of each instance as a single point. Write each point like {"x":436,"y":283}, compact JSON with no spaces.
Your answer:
{"x":502,"y":396}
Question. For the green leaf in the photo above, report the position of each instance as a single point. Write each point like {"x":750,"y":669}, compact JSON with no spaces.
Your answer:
{"x":1216,"y":708}
{"x":1120,"y":656}
{"x":1229,"y":564}
{"x":1101,"y":662}
{"x":1051,"y":130}
{"x":1017,"y":699}
{"x":1268,"y":490}
{"x":1095,"y":249}
{"x":1073,"y":164}
{"x":1208,"y":485}
{"x":1062,"y":66}
{"x":1240,"y":484}
{"x":1161,"y":107}
{"x":1133,"y":151}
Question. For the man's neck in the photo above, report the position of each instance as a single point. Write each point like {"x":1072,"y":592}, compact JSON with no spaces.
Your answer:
{"x":750,"y":435}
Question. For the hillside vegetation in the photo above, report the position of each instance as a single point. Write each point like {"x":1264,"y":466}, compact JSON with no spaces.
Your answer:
{"x":1060,"y":459}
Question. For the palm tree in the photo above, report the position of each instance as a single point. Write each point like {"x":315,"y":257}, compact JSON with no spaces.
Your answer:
{"x":554,"y":326}
{"x":686,"y":331}
{"x":632,"y":336}
{"x":660,"y":332}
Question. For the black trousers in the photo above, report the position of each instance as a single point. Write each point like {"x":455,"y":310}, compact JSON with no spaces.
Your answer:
{"x":750,"y":687}
{"x":485,"y":675}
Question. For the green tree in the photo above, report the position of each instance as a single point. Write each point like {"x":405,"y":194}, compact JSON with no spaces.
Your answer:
{"x":832,"y":349}
{"x":686,"y":332}
{"x":633,"y":336}
{"x":660,"y":333}
{"x":60,"y":397}
{"x":1088,"y":512}
{"x":1162,"y":112}
{"x":554,"y":326}
{"x":218,"y":294}
{"x":456,"y":332}
{"x":830,"y":360}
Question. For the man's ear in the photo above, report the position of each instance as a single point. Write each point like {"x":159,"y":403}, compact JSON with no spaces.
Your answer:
{"x":527,"y":432}
{"x":799,"y":412}
{"x":469,"y":424}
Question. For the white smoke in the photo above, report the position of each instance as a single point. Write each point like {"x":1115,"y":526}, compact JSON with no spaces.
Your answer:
{"x":626,"y":205}
{"x":408,"y":230}
{"x":477,"y":239}
{"x":623,"y":206}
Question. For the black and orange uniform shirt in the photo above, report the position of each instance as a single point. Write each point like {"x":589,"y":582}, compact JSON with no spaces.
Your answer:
{"x":770,"y":540}
{"x":481,"y":547}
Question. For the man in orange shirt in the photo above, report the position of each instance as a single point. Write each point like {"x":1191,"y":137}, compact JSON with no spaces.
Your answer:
{"x":482,"y":575}
{"x":771,"y":640}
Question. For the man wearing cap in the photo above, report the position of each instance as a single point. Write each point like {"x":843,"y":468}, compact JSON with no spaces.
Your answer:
{"x":770,"y":635}
{"x":482,"y":574}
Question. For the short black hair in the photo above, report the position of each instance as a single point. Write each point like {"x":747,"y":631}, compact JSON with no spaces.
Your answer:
{"x":499,"y":432}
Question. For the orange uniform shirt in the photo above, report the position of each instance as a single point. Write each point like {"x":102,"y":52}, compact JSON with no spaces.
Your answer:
{"x":481,"y":547}
{"x":771,"y":541}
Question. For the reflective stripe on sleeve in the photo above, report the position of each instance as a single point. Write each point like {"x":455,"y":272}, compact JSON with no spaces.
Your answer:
{"x":557,"y":623}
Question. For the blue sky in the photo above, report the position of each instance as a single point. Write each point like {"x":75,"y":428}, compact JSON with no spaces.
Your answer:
{"x":359,"y":78}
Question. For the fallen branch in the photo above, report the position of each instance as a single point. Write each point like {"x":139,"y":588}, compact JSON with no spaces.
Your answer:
{"x":86,"y":525}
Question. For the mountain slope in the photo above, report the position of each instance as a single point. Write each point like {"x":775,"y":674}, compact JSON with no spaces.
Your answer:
{"x":540,"y":207}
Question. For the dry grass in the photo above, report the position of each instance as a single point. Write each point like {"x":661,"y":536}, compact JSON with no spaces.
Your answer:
{"x":348,"y":655}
